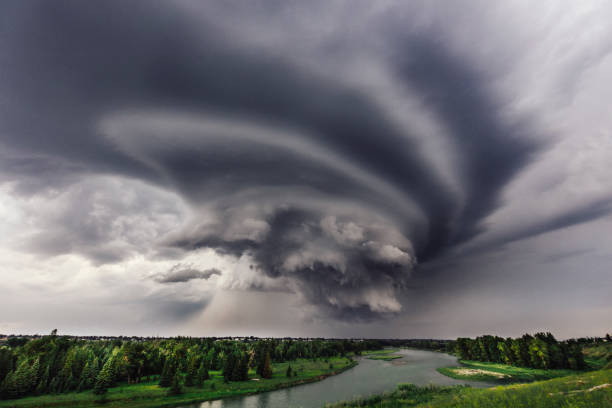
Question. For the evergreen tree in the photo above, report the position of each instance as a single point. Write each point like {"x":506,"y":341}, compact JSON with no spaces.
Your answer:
{"x":168,"y":372}
{"x":289,"y":371}
{"x":175,"y":385}
{"x":202,"y":374}
{"x":105,"y":378}
{"x":267,"y":368}
{"x":228,"y":366}
{"x":192,"y":371}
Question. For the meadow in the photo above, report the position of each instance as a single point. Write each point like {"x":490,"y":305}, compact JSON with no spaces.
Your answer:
{"x":584,"y":390}
{"x":500,"y":373}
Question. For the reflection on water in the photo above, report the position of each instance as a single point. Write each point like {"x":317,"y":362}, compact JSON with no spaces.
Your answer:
{"x":369,"y":377}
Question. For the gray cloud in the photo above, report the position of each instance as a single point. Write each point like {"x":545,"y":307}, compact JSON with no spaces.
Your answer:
{"x":184,"y":273}
{"x":156,"y":129}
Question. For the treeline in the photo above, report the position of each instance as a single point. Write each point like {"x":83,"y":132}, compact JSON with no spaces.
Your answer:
{"x":427,"y":344}
{"x":56,"y":364}
{"x":539,"y":351}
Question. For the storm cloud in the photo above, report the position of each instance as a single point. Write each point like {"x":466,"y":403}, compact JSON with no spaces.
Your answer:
{"x":338,"y":156}
{"x":184,"y":273}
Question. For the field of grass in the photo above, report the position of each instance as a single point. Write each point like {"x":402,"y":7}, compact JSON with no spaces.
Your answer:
{"x":149,"y":394}
{"x":584,"y":390}
{"x":384,"y":354}
{"x":598,"y":356}
{"x":500,"y":373}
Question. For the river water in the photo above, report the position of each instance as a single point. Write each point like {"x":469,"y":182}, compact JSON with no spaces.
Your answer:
{"x":369,"y":377}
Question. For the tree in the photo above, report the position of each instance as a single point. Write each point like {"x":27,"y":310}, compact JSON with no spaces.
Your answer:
{"x":267,"y":369}
{"x":165,"y":380}
{"x":105,"y":379}
{"x":7,"y":362}
{"x":202,"y":374}
{"x":289,"y":371}
{"x":538,"y":353}
{"x":228,"y":366}
{"x":175,"y":385}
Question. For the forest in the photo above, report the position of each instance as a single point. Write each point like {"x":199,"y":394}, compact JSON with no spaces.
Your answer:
{"x":541,"y":350}
{"x":57,"y":364}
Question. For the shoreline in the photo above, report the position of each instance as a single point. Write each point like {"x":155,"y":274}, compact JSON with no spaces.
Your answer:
{"x":86,"y":399}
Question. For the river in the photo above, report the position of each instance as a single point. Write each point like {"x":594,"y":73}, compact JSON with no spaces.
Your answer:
{"x":369,"y":377}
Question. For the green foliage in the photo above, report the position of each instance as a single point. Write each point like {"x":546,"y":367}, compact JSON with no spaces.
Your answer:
{"x":175,"y":385}
{"x":148,"y":394}
{"x":60,"y":364}
{"x":267,"y":367}
{"x":202,"y":374}
{"x":599,"y":355}
{"x":168,"y":372}
{"x":539,"y":351}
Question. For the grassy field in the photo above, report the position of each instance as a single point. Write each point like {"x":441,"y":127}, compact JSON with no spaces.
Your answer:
{"x":598,"y":356}
{"x":148,"y":394}
{"x":500,"y":373}
{"x":385,"y":354}
{"x":584,"y":390}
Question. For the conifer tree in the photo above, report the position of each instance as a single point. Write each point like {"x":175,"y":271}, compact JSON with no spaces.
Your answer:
{"x":168,"y":372}
{"x":267,"y":368}
{"x":202,"y":374}
{"x":175,"y":385}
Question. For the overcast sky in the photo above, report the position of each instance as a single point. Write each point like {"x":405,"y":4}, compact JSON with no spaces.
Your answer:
{"x":312,"y":168}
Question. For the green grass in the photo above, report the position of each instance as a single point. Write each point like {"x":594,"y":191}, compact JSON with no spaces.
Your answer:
{"x":149,"y":394}
{"x":584,"y":390}
{"x":598,"y":356}
{"x":500,"y":373}
{"x":384,"y":354}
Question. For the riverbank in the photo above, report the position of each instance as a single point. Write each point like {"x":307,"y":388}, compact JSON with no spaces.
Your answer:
{"x":150,"y":395}
{"x":500,"y":373}
{"x":592,"y":389}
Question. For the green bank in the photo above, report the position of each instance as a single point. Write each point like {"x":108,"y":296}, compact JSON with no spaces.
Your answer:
{"x":588,"y":390}
{"x":149,"y":394}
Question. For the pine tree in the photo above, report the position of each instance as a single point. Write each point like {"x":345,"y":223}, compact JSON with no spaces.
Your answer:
{"x":289,"y":371}
{"x":202,"y":374}
{"x":228,"y":366}
{"x":168,"y":372}
{"x":175,"y":385}
{"x":105,"y":378}
{"x":267,"y":368}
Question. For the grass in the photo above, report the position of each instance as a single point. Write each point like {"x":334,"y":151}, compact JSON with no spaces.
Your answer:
{"x":584,"y":390}
{"x":387,"y":357}
{"x":149,"y":394}
{"x":500,"y":373}
{"x":384,"y":354}
{"x":598,"y":356}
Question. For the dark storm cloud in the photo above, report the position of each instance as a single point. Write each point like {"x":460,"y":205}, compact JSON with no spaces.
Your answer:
{"x":304,"y":173}
{"x":184,"y":273}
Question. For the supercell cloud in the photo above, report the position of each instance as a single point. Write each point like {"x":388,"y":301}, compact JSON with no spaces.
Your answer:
{"x":347,"y":153}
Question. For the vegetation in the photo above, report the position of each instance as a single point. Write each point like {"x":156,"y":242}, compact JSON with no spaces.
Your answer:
{"x":55,"y":365}
{"x":539,"y":351}
{"x":501,"y":373}
{"x":599,"y":355}
{"x":589,"y":390}
{"x":385,"y":354}
{"x":150,"y":394}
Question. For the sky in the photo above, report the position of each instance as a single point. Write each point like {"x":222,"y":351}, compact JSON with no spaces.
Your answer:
{"x":422,"y":169}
